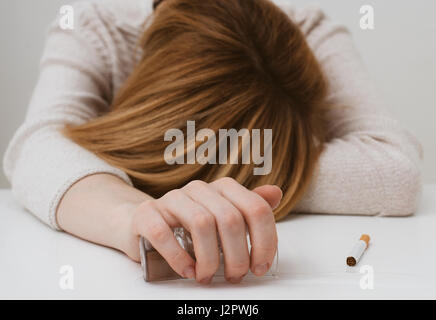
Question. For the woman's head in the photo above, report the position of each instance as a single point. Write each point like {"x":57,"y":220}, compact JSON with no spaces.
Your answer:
{"x":223,"y":64}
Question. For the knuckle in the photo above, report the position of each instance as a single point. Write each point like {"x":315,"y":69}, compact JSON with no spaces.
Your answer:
{"x":158,"y":233}
{"x":151,"y":205}
{"x":202,"y":221}
{"x":145,"y":207}
{"x":260,"y":209}
{"x":173,"y":194}
{"x":232,"y":221}
{"x":226,"y":180}
{"x":194,"y":184}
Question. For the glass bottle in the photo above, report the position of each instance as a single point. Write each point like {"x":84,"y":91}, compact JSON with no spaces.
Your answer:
{"x":155,"y":267}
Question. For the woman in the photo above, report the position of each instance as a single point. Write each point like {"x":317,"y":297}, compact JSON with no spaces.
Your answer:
{"x":89,"y":158}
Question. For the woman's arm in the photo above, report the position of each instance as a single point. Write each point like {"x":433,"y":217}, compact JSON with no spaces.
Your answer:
{"x":99,"y":208}
{"x":371,"y":165}
{"x":74,"y":86}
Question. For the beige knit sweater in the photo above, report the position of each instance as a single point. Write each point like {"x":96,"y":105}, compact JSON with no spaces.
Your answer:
{"x":371,"y":164}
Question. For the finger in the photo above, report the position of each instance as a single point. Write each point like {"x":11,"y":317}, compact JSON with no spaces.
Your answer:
{"x":201,"y":224}
{"x":260,"y":220}
{"x":150,"y":224}
{"x":231,"y":228}
{"x":271,"y":193}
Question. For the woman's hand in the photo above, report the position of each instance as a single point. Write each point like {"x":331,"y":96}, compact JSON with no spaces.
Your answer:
{"x":222,"y":208}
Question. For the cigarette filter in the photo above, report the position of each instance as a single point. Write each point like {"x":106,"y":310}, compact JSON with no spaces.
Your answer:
{"x":156,"y":268}
{"x":358,"y":249}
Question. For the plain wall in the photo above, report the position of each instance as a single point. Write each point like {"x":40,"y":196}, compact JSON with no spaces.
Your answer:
{"x":400,"y":55}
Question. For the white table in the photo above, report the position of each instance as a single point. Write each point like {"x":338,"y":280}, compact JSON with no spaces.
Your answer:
{"x":312,"y":251}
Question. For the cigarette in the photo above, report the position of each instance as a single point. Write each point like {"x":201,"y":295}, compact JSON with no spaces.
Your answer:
{"x":358,"y":249}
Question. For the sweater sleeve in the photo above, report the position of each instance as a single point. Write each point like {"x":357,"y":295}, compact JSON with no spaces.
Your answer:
{"x":73,"y":86}
{"x":370,"y":165}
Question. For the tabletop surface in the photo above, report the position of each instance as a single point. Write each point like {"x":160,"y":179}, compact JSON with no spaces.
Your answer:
{"x":399,"y":263}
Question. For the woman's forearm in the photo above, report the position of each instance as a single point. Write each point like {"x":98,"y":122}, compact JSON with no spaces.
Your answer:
{"x":99,"y":209}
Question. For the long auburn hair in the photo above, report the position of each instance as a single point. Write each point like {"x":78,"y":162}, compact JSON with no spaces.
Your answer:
{"x":224,"y":64}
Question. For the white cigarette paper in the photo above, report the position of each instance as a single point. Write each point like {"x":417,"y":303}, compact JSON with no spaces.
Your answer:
{"x":357,"y":251}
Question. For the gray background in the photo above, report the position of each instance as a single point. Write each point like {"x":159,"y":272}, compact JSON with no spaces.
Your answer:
{"x":400,"y":54}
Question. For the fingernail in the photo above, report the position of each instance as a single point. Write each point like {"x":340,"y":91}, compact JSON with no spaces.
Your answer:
{"x":261,"y":269}
{"x":235,"y":280}
{"x":207,"y":280}
{"x":189,"y":272}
